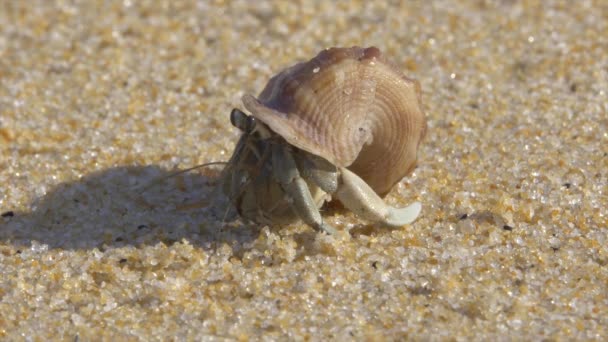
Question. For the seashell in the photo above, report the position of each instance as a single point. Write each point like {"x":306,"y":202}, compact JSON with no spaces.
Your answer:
{"x":351,"y":107}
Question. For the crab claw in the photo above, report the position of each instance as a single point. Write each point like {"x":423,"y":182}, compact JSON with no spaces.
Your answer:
{"x":397,"y":217}
{"x":361,"y":199}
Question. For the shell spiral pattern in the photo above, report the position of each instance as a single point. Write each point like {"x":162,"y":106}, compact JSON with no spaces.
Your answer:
{"x":351,"y":107}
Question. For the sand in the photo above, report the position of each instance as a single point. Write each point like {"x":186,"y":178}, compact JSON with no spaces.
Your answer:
{"x":100,"y":98}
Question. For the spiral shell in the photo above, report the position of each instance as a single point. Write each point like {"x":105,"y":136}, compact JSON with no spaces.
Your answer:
{"x":351,"y":107}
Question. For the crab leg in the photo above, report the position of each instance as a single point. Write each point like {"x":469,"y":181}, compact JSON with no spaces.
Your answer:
{"x":234,"y":173}
{"x":319,"y":171}
{"x":286,"y":172}
{"x":361,"y":199}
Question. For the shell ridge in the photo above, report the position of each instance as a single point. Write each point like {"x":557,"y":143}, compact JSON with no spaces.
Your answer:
{"x":369,"y":99}
{"x":351,"y":107}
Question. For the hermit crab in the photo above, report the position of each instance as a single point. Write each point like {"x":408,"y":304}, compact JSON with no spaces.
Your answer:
{"x":346,"y":125}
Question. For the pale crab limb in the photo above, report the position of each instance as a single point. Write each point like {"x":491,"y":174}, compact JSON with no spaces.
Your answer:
{"x":286,"y":172}
{"x":361,"y":199}
{"x":316,"y":169}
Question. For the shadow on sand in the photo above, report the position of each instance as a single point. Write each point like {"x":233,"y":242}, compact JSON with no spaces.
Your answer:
{"x":108,"y":209}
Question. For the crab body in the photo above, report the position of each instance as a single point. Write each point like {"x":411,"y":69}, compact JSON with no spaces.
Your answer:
{"x":343,"y":125}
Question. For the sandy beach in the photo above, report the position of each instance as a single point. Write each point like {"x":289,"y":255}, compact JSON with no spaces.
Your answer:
{"x":100,"y":98}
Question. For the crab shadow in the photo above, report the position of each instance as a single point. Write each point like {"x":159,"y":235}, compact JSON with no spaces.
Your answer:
{"x":125,"y":206}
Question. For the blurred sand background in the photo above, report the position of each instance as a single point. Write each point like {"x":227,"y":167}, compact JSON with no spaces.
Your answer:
{"x":100,"y":97}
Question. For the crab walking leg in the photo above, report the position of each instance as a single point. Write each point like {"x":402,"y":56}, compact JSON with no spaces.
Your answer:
{"x":235,"y":173}
{"x":361,"y":199}
{"x":286,"y":172}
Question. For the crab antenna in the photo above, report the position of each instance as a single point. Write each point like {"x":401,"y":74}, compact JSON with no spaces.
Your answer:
{"x":160,"y":179}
